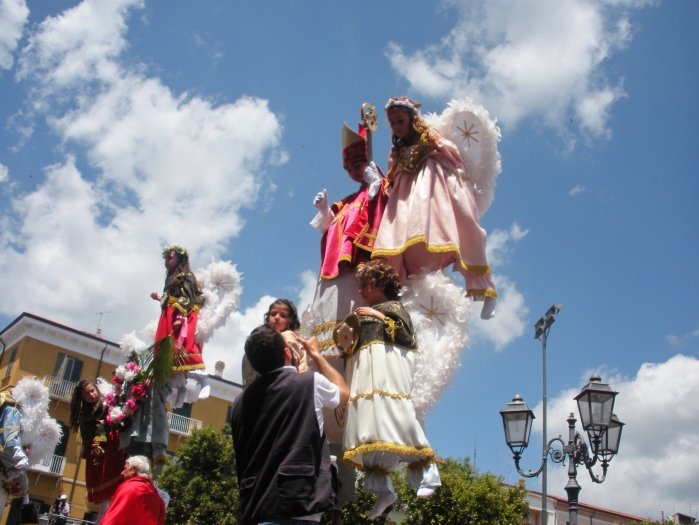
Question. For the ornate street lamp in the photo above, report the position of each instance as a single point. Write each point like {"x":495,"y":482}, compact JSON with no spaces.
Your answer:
{"x":595,"y":403}
{"x":609,"y":445}
{"x":517,"y":419}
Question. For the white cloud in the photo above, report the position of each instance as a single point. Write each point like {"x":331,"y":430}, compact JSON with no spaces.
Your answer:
{"x":229,"y":342}
{"x":3,"y":173}
{"x":13,"y":17}
{"x":307,"y":291}
{"x":510,"y":316}
{"x":680,"y":340}
{"x":499,"y":241}
{"x":657,"y":463}
{"x":168,"y":169}
{"x":532,"y":58}
{"x":511,"y":312}
{"x":577,"y":189}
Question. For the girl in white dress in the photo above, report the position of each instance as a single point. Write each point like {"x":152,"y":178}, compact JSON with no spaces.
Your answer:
{"x":382,"y":430}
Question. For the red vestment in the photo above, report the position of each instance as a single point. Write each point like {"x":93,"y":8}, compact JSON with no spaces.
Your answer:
{"x":103,"y":472}
{"x":136,"y":501}
{"x":350,"y":236}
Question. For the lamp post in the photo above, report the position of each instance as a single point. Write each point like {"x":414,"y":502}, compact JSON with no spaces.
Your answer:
{"x":541,"y":332}
{"x":603,"y":428}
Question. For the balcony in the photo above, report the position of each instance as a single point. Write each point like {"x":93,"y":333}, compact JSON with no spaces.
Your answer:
{"x":182,"y":425}
{"x":51,"y":465}
{"x":59,"y":388}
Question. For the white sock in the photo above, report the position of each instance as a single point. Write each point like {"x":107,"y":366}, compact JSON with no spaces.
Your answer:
{"x":425,"y":492}
{"x":488,"y":311}
{"x":383,"y":500}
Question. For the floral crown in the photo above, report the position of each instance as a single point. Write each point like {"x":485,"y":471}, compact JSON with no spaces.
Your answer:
{"x":404,"y":102}
{"x":180,"y":250}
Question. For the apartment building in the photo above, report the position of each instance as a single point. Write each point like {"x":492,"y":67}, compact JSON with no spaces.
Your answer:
{"x":61,"y":356}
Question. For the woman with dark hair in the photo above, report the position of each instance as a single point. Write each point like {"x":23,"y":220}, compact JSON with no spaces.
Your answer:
{"x":180,"y":303}
{"x":284,"y":318}
{"x":104,"y":461}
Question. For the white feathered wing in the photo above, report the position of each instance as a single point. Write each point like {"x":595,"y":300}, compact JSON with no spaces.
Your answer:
{"x":469,"y":126}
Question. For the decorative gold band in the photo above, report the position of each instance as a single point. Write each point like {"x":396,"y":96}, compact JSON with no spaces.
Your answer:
{"x":482,"y":292}
{"x":384,"y":252}
{"x":378,"y":393}
{"x":384,"y":446}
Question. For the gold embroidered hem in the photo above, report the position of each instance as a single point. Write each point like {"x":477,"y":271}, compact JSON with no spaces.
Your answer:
{"x":380,"y":393}
{"x":174,"y":302}
{"x":369,"y":236}
{"x":481,"y":293}
{"x":326,"y":343}
{"x":383,"y":446}
{"x":376,"y":469}
{"x":185,"y":368}
{"x":385,"y":252}
{"x":422,"y":464}
{"x":328,"y":326}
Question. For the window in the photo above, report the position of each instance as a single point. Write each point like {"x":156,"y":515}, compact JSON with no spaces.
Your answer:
{"x":229,"y":415}
{"x":67,"y":368}
{"x":13,"y":356}
{"x":185,"y":410}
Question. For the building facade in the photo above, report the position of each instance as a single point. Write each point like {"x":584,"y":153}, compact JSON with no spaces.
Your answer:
{"x":557,"y":510}
{"x":61,"y":356}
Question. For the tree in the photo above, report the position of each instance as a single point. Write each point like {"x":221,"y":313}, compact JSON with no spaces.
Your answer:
{"x":465,"y":497}
{"x":202,"y":483}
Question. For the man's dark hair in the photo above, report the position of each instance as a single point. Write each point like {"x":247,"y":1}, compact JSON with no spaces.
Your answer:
{"x":265,"y":349}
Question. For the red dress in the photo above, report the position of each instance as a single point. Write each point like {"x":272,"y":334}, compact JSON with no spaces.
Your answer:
{"x":102,"y":470}
{"x":136,"y":501}
{"x":182,"y":301}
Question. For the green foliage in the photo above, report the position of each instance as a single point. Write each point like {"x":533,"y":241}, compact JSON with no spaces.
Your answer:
{"x":355,"y":513}
{"x":204,"y":490}
{"x":465,"y":498}
{"x":202,"y":485}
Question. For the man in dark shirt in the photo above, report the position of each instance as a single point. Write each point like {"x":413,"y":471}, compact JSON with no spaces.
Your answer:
{"x":282,"y":458}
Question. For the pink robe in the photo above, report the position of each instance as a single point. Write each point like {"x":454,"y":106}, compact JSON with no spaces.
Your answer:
{"x":431,"y":220}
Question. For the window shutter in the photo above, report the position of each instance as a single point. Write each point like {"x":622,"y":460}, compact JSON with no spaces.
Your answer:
{"x":77,"y":370}
{"x":60,"y":358}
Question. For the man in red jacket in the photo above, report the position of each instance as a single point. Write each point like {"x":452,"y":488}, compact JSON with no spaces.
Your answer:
{"x":136,"y":500}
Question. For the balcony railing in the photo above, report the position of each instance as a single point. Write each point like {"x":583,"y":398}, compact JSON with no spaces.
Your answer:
{"x":182,"y":425}
{"x":51,"y":464}
{"x":59,"y":388}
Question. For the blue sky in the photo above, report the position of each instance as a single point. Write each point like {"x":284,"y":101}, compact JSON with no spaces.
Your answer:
{"x":127,"y":124}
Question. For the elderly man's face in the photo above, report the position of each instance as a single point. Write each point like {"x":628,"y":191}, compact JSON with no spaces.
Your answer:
{"x":128,"y":472}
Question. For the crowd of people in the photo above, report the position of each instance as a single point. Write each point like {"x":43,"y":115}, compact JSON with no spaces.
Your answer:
{"x":313,"y":408}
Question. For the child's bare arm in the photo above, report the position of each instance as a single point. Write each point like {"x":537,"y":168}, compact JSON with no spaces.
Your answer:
{"x":370,"y":312}
{"x":313,"y":348}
